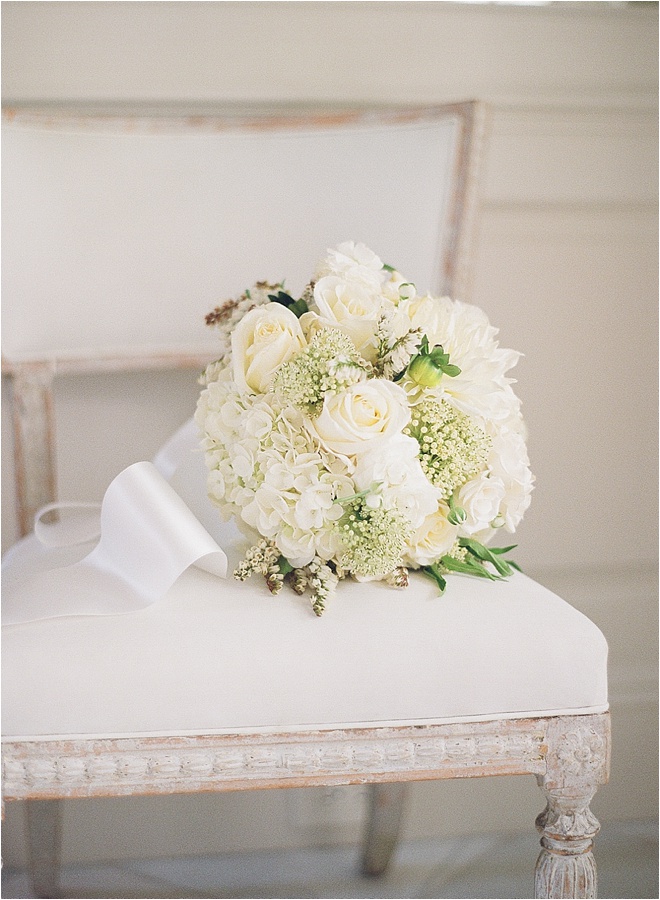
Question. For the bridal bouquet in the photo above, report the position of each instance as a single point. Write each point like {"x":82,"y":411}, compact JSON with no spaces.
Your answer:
{"x":362,"y":429}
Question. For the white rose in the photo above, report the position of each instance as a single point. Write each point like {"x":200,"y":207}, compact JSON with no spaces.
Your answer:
{"x":355,"y":261}
{"x":339,"y":300}
{"x":481,"y":499}
{"x":509,"y":456}
{"x":509,"y":460}
{"x":394,"y":475}
{"x":434,"y":537}
{"x":351,"y":306}
{"x":263,"y":340}
{"x":367,"y":412}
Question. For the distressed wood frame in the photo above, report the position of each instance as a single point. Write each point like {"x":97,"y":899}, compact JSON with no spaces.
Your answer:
{"x":569,"y":756}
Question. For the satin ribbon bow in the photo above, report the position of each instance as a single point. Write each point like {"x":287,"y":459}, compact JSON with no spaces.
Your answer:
{"x":148,"y":538}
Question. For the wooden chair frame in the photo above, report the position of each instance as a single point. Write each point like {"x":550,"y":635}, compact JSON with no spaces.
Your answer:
{"x":569,"y":755}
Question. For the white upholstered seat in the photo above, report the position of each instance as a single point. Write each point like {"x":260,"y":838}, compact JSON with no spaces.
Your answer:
{"x":380,"y":654}
{"x":218,"y":655}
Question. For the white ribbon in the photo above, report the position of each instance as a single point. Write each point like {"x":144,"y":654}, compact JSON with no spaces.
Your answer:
{"x":67,"y":531}
{"x":149,"y":537}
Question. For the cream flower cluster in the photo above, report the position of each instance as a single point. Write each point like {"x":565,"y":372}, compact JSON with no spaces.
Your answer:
{"x":362,"y":428}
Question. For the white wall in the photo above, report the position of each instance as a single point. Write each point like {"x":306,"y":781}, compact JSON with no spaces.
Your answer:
{"x":566,"y":267}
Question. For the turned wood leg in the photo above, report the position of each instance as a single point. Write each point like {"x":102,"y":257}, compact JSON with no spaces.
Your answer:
{"x":566,"y":865}
{"x":578,"y":761}
{"x":384,"y":821}
{"x":44,"y":827}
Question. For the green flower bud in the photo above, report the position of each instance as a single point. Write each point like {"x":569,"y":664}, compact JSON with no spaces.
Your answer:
{"x":457,"y":514}
{"x":424,"y":371}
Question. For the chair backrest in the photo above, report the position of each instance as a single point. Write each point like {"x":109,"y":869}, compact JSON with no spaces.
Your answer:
{"x":122,"y":230}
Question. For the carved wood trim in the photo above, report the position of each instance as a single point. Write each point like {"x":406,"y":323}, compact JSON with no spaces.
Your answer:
{"x":577,"y":761}
{"x":578,"y":758}
{"x":119,"y":767}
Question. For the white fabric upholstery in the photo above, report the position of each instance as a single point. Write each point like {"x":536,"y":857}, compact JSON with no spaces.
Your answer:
{"x":218,"y":655}
{"x":186,"y":237}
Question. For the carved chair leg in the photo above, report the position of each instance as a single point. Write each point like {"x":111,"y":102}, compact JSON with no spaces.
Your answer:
{"x":578,"y":761}
{"x":44,"y":828}
{"x":386,"y":803}
{"x":566,"y":865}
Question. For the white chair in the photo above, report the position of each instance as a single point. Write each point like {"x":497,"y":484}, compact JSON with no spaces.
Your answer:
{"x":491,"y":679}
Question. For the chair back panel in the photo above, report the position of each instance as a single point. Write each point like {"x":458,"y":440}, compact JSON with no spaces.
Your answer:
{"x":122,"y":232}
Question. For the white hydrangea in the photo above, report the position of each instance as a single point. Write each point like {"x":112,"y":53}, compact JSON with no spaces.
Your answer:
{"x":294,"y":505}
{"x":394,"y":478}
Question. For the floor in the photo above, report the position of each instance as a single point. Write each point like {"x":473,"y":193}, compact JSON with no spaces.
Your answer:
{"x":490,"y":866}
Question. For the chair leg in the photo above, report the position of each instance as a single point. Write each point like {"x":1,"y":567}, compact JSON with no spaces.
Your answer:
{"x":386,"y":803}
{"x":44,"y":829}
{"x":566,"y":865}
{"x":577,"y":763}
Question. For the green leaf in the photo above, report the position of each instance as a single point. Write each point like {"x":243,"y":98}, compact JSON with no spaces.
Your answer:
{"x":483,"y":553}
{"x":467,"y":567}
{"x":282,"y":297}
{"x":388,"y":268}
{"x":434,"y":573}
{"x":297,"y":307}
{"x":438,"y":355}
{"x":492,"y":555}
{"x":452,"y":371}
{"x":284,"y":565}
{"x":473,"y":546}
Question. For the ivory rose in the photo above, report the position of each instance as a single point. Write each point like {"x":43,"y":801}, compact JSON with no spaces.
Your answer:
{"x":366,"y":412}
{"x":434,"y":537}
{"x":352,"y":307}
{"x":263,"y":340}
{"x":481,"y":498}
{"x":355,"y":262}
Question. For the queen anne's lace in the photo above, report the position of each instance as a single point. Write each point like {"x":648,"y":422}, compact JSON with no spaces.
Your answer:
{"x":452,"y":447}
{"x":329,"y":363}
{"x":372,"y":541}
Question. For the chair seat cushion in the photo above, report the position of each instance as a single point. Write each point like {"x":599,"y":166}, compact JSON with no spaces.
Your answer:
{"x":216,"y":655}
